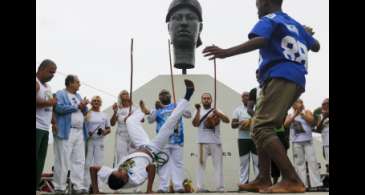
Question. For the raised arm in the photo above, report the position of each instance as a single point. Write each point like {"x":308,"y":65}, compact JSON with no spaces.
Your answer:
{"x":250,"y":45}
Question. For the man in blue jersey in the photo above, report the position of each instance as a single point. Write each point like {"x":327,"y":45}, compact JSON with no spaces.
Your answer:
{"x":283,"y":45}
{"x":174,"y":167}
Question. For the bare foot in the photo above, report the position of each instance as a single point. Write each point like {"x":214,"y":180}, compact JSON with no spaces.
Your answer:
{"x":285,"y":186}
{"x":255,"y":186}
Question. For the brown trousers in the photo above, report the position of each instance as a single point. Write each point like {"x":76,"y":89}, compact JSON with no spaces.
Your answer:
{"x":276,"y":98}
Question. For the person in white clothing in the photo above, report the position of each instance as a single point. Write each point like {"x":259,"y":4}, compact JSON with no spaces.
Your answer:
{"x":324,"y":129}
{"x":209,"y":141}
{"x":97,"y":126}
{"x":300,"y":123}
{"x":70,"y":136}
{"x":44,"y":104}
{"x":139,"y":166}
{"x":174,"y":168}
{"x":123,"y":144}
{"x":246,"y":147}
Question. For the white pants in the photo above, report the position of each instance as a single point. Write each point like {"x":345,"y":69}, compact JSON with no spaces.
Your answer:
{"x":69,"y":155}
{"x":139,"y":136}
{"x":174,"y":168}
{"x":327,"y":153}
{"x":303,"y":152}
{"x":245,"y":166}
{"x":94,"y":157}
{"x":215,"y":150}
{"x":122,"y":146}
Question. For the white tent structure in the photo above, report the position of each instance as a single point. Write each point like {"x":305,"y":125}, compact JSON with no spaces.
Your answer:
{"x":227,"y":101}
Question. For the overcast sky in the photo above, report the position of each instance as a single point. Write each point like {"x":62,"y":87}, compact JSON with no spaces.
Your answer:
{"x":91,"y":38}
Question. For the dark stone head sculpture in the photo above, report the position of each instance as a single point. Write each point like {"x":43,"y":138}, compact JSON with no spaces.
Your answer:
{"x":184,"y":20}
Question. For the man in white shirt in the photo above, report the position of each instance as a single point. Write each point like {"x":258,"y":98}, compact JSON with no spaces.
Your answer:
{"x":209,"y":141}
{"x":246,"y":147}
{"x":135,"y":168}
{"x":44,"y":106}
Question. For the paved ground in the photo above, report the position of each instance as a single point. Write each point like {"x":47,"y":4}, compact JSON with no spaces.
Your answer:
{"x":234,"y":193}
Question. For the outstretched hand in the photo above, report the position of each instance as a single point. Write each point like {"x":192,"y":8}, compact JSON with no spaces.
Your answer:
{"x":215,"y":52}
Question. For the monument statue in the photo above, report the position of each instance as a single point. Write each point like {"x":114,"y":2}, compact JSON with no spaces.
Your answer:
{"x":184,"y":22}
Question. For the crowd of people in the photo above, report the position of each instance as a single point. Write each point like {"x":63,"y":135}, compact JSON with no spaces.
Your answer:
{"x":79,"y":128}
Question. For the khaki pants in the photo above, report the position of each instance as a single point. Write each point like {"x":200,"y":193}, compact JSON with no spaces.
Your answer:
{"x":276,"y":98}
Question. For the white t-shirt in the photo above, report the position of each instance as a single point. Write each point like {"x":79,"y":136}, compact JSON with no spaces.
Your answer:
{"x":77,"y":118}
{"x":241,"y":114}
{"x":43,"y":115}
{"x":95,"y":121}
{"x":137,"y":173}
{"x":300,"y":130}
{"x":205,"y":135}
{"x":121,"y":114}
{"x":326,"y":132}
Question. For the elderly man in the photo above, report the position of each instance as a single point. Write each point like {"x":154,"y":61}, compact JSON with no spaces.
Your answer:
{"x":69,"y":140}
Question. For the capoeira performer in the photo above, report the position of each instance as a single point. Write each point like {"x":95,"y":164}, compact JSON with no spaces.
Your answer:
{"x":135,"y":168}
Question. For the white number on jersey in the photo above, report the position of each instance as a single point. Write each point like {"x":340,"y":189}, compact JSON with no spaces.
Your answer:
{"x":294,"y":50}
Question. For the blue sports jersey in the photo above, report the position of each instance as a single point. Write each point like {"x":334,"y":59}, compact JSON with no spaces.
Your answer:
{"x":287,"y":48}
{"x":162,"y":115}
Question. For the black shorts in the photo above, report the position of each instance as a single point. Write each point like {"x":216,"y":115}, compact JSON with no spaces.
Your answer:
{"x":245,"y":146}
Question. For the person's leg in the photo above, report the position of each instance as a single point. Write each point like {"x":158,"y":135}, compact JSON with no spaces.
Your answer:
{"x":168,"y":127}
{"x":121,"y":146}
{"x":275,"y":172}
{"x":41,"y":152}
{"x":314,"y":174}
{"x":217,"y":158}
{"x":77,"y":159}
{"x":327,"y":153}
{"x":137,"y":134}
{"x":164,"y":173}
{"x":244,"y":160}
{"x":299,"y":162}
{"x":89,"y":161}
{"x":278,"y":95}
{"x":177,"y":168}
{"x":62,"y":154}
{"x":202,"y":161}
{"x":262,"y":180}
{"x":255,"y":160}
{"x":99,"y":152}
